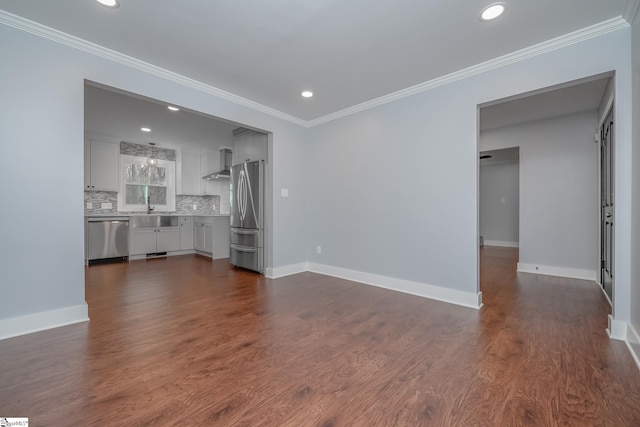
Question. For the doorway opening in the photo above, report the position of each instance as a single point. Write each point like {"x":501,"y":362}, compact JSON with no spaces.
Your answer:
{"x":560,"y":232}
{"x":499,"y":190}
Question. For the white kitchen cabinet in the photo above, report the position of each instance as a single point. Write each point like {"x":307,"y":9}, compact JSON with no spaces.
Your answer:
{"x":221,"y":237}
{"x":186,"y":232}
{"x":204,"y":233}
{"x":190,"y":175}
{"x":168,"y":239}
{"x":101,"y":165}
{"x":152,"y":240}
{"x":249,"y":145}
{"x":192,"y":168}
{"x":204,"y":237}
{"x":143,"y":241}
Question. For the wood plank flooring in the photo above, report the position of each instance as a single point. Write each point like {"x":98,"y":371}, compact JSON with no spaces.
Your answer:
{"x":190,"y":342}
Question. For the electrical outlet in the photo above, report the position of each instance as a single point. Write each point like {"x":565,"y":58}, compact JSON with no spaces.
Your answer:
{"x":284,"y":192}
{"x":106,"y":206}
{"x":89,"y":205}
{"x":318,"y":249}
{"x":195,"y":207}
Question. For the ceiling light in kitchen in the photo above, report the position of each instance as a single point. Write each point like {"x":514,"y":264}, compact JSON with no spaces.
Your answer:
{"x":109,"y":3}
{"x":172,"y":108}
{"x":153,"y":160}
{"x":307,"y":94}
{"x":492,"y":11}
{"x":145,"y":129}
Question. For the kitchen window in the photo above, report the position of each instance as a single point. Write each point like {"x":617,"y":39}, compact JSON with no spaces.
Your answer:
{"x":142,"y":184}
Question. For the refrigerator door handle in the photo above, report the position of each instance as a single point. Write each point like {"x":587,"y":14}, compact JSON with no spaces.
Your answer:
{"x":244,"y":231}
{"x":244,"y":249}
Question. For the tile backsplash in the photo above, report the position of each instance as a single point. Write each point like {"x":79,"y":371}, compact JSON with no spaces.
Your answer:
{"x":96,"y":198}
{"x":205,"y":205}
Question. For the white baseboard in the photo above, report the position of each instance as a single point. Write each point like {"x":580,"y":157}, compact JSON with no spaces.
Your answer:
{"x":501,"y":243}
{"x":633,"y":342}
{"x":22,"y":325}
{"x":466,"y":299}
{"x":286,"y":270}
{"x":617,"y":329}
{"x":549,"y":270}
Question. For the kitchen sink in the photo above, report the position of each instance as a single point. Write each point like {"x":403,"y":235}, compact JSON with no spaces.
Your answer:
{"x":153,"y":221}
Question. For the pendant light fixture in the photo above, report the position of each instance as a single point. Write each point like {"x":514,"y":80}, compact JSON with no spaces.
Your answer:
{"x":153,"y":160}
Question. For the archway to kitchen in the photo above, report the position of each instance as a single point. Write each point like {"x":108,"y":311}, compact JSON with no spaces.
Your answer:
{"x":147,"y":156}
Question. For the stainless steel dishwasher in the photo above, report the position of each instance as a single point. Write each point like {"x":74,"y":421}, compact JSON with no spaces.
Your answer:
{"x":107,"y":239}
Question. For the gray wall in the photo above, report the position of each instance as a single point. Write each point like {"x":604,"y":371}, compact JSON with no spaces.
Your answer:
{"x":558,"y":189}
{"x":421,"y":225}
{"x":391,"y":190}
{"x":41,"y":125}
{"x":499,"y":203}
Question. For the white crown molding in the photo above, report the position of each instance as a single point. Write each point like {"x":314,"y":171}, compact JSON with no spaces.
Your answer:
{"x":523,"y":54}
{"x":596,"y":30}
{"x":120,"y":58}
{"x":631,"y":12}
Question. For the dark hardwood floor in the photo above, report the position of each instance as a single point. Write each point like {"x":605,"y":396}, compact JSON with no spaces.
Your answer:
{"x":189,"y":342}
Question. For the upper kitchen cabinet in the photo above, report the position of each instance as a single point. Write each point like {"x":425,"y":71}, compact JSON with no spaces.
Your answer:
{"x":101,"y":165}
{"x":190,"y":175}
{"x":192,"y":168}
{"x":249,"y":145}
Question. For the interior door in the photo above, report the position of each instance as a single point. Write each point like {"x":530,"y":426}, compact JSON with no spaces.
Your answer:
{"x":607,"y":204}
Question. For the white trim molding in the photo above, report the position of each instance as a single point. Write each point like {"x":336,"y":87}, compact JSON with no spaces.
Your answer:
{"x":633,"y":342}
{"x":578,"y":36}
{"x":452,"y":296}
{"x":501,"y":243}
{"x":550,"y":270}
{"x":120,"y":58}
{"x":596,"y":30}
{"x":631,"y":12}
{"x":36,"y":322}
{"x":617,"y":329}
{"x":286,"y":270}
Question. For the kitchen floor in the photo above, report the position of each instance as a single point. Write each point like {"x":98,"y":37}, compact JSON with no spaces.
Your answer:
{"x":187,"y":341}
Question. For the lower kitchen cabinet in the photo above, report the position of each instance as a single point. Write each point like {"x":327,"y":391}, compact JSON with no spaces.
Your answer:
{"x":186,"y":233}
{"x":204,"y":234}
{"x":221,"y":237}
{"x":152,"y":240}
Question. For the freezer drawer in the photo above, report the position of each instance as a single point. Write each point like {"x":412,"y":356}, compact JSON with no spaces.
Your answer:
{"x":246,"y":237}
{"x":246,"y":257}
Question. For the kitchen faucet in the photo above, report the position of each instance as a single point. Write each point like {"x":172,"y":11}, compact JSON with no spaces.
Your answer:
{"x":149,"y":208}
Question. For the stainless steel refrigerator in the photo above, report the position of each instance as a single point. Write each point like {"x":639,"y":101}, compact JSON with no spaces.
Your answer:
{"x":247,"y":215}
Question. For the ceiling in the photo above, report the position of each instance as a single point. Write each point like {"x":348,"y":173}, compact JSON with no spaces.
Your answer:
{"x":346,"y":52}
{"x":119,"y":116}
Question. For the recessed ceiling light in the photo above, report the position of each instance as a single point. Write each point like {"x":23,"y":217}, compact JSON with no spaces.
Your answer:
{"x":109,"y":3}
{"x":307,"y":94}
{"x":145,"y":129}
{"x":172,"y":108}
{"x":492,"y":11}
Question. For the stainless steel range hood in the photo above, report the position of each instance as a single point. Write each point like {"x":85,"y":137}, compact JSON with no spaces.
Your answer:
{"x":225,"y":167}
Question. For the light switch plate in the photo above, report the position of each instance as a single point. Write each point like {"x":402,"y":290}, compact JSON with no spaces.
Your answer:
{"x":106,"y":205}
{"x":195,"y":207}
{"x":284,"y":192}
{"x":89,"y":205}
